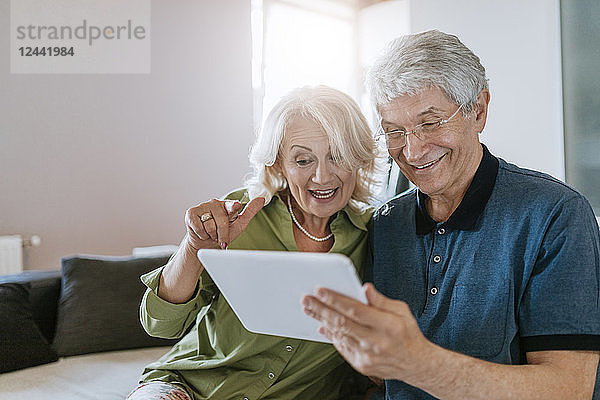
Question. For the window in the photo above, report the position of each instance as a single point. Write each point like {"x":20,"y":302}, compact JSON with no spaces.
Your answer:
{"x":302,"y":42}
{"x":581,"y":84}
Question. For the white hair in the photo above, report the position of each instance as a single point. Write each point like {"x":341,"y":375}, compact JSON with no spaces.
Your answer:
{"x":431,"y":59}
{"x":350,"y":139}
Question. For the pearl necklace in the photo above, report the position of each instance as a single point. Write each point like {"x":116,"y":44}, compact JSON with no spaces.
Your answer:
{"x":316,"y":239}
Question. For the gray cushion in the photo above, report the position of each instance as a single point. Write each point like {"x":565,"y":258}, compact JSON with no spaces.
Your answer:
{"x":99,"y":302}
{"x":22,"y":344}
{"x":44,"y":289}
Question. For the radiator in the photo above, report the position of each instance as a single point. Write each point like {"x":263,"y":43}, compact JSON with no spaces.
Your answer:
{"x":11,"y":254}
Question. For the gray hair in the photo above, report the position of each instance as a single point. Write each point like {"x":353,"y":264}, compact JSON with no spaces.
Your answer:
{"x":350,"y":139}
{"x":413,"y":63}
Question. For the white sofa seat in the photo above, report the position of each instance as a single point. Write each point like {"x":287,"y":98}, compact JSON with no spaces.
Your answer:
{"x":99,"y":376}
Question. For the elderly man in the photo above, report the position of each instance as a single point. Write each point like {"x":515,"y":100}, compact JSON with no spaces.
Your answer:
{"x":487,"y":274}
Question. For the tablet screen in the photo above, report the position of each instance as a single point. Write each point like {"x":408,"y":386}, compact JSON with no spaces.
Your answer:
{"x":265,"y":288}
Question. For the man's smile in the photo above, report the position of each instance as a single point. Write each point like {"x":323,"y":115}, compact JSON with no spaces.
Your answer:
{"x":429,"y":164}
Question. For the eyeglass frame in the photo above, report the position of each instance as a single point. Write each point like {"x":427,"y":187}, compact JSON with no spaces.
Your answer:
{"x":440,"y":123}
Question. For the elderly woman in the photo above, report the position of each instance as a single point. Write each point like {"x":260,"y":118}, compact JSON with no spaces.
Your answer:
{"x":315,"y":164}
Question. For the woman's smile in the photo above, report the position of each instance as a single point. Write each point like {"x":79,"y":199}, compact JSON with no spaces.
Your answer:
{"x":324,"y":194}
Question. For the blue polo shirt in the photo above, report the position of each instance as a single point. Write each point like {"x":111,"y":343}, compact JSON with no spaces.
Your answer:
{"x":515,"y":268}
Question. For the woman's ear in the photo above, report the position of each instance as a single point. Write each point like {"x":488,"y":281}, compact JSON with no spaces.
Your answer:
{"x":277,"y":166}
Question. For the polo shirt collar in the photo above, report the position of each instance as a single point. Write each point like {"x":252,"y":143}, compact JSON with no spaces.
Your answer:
{"x":477,"y":195}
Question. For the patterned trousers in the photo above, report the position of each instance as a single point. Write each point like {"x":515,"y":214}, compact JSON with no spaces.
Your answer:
{"x":157,"y":390}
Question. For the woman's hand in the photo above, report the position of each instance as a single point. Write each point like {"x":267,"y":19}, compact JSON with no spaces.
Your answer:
{"x":221,"y":225}
{"x":217,"y":222}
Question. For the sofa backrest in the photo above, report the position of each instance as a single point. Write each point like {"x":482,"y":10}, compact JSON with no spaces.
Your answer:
{"x":44,"y":291}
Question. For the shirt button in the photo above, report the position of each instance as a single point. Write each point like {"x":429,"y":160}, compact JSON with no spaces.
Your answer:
{"x":289,"y":348}
{"x":271,"y":375}
{"x":433,"y":291}
{"x":441,"y":231}
{"x":437,"y":259}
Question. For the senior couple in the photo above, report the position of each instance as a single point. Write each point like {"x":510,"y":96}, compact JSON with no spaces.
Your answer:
{"x":483,"y":280}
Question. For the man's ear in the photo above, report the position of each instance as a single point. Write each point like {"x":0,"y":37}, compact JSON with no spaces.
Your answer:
{"x":481,"y":109}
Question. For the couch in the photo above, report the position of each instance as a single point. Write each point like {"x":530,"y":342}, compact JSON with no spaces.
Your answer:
{"x":74,"y":333}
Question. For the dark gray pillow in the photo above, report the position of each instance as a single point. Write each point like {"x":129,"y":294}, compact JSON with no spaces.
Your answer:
{"x":44,"y":290}
{"x":99,"y":303}
{"x":22,"y":344}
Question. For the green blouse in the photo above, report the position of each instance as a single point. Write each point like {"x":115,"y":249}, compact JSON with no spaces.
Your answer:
{"x":218,"y":358}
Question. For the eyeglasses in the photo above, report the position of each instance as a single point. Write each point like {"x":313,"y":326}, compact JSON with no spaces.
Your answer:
{"x":426,"y":131}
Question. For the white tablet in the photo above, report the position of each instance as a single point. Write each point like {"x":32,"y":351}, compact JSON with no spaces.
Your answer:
{"x":265,"y":288}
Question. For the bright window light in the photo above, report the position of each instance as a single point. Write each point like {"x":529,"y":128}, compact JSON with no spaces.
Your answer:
{"x":303,"y":43}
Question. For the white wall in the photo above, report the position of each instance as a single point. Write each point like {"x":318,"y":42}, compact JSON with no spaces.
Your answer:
{"x":378,"y":25}
{"x":104,"y":163}
{"x":519,"y":45}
